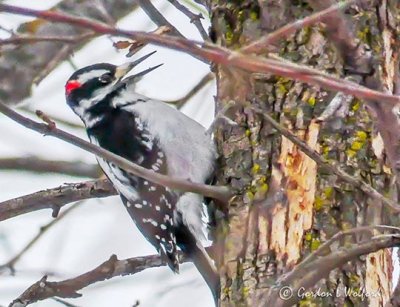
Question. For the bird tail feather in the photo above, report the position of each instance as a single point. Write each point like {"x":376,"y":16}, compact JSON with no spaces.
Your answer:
{"x":204,"y":264}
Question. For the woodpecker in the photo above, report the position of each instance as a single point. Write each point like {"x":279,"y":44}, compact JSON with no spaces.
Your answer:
{"x":156,"y":136}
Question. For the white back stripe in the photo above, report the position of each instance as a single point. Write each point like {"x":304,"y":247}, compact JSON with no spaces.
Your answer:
{"x":91,"y":74}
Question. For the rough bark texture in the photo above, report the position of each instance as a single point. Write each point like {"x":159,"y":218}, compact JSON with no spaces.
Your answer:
{"x":260,"y":243}
{"x":22,"y":67}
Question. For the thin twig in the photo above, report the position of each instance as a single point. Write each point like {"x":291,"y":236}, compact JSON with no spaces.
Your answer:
{"x":221,"y":116}
{"x":38,"y":165}
{"x":9,"y":31}
{"x":44,"y":117}
{"x":30,"y":39}
{"x":329,"y":165}
{"x":99,"y":6}
{"x":69,"y":288}
{"x":10,"y":264}
{"x":16,"y":80}
{"x":217,"y":54}
{"x":194,"y":18}
{"x":157,"y":17}
{"x":60,"y":56}
{"x":56,"y":198}
{"x":358,"y":61}
{"x":324,"y":249}
{"x":202,"y":83}
{"x":340,"y":32}
{"x":56,"y":119}
{"x":71,"y":62}
{"x":135,"y":45}
{"x":339,"y":101}
{"x":222,"y":193}
{"x":321,"y":267}
{"x":262,"y":44}
{"x":65,"y":303}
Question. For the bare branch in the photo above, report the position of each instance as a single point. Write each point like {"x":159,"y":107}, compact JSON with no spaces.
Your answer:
{"x":34,"y":164}
{"x":58,"y":120}
{"x":195,"y":19}
{"x":135,"y":46}
{"x":100,"y":7}
{"x":157,"y":17}
{"x":202,"y":83}
{"x":218,"y":192}
{"x":55,"y":198}
{"x":324,"y":249}
{"x":69,"y":288}
{"x":11,"y":263}
{"x":262,"y":44}
{"x":321,"y":267}
{"x":2,"y":28}
{"x":30,"y":39}
{"x":358,"y":61}
{"x":338,"y":102}
{"x":16,"y":79}
{"x":329,"y":165}
{"x":339,"y":31}
{"x":65,"y":303}
{"x":60,"y":56}
{"x":219,"y":55}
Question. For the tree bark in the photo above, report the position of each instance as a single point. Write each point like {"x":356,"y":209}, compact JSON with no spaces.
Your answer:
{"x":266,"y":234}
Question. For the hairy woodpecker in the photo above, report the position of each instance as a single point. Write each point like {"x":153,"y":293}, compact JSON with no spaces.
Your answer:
{"x":158,"y":137}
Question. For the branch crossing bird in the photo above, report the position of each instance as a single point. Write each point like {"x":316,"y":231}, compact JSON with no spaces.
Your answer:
{"x":158,"y":137}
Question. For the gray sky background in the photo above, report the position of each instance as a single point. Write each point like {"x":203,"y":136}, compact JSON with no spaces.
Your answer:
{"x":91,"y":233}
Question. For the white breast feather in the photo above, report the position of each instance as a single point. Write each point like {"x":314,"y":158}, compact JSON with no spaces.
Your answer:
{"x":116,"y":177}
{"x":190,"y":152}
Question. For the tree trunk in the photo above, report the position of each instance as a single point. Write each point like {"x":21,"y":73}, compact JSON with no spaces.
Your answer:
{"x":287,"y":205}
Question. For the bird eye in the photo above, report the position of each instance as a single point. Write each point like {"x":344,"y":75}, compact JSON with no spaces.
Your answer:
{"x":106,"y":78}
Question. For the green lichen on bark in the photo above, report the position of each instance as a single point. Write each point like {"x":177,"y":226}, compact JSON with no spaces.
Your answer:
{"x":251,"y":150}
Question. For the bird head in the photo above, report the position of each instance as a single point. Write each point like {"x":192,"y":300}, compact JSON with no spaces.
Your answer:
{"x":91,"y":84}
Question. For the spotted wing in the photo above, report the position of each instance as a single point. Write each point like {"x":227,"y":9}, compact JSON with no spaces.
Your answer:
{"x":151,"y":206}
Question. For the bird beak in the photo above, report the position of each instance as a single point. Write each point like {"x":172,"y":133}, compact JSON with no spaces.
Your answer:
{"x":145,"y":72}
{"x":122,"y":70}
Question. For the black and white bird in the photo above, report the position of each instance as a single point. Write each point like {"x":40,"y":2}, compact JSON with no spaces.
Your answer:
{"x":158,"y":137}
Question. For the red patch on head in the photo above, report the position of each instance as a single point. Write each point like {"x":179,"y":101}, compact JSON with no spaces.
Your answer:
{"x":71,"y":85}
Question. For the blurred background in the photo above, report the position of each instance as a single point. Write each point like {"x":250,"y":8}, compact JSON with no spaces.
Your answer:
{"x":97,"y":228}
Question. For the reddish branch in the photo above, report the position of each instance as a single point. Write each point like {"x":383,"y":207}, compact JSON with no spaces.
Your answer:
{"x":16,"y":79}
{"x":217,"y":54}
{"x":358,"y":61}
{"x":55,"y":198}
{"x":221,"y":193}
{"x":262,"y":44}
{"x":340,"y":32}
